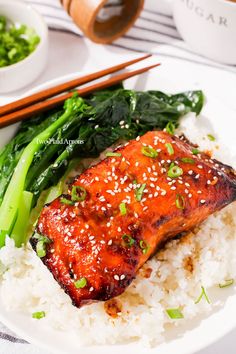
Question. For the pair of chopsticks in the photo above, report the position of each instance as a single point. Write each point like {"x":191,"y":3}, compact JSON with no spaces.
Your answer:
{"x":44,"y":100}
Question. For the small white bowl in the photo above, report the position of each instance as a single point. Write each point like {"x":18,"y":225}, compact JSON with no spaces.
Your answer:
{"x":16,"y":76}
{"x":209,"y":27}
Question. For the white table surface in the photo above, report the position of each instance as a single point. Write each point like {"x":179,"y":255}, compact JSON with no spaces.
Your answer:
{"x":82,"y":58}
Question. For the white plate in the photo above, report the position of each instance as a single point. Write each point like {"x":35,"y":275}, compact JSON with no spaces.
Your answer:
{"x":220,"y":110}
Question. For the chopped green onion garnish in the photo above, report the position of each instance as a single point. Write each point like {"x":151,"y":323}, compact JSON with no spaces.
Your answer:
{"x":41,"y":246}
{"x":203,"y":294}
{"x":81,"y":283}
{"x":128,"y":240}
{"x":175,"y":314}
{"x":188,"y":160}
{"x":175,"y":171}
{"x":78,"y":194}
{"x":113,"y":154}
{"x":144,"y":246}
{"x":211,"y":137}
{"x":149,"y":152}
{"x":139,"y":192}
{"x":17,"y":41}
{"x":227,"y":283}
{"x":170,"y":128}
{"x":123,"y":210}
{"x":179,"y":201}
{"x":66,"y":201}
{"x":38,"y":315}
{"x":195,"y":151}
{"x":170,"y":149}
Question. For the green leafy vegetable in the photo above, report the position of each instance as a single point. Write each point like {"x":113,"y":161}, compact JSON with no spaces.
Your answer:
{"x":19,"y":231}
{"x":12,"y":197}
{"x":16,"y":42}
{"x":10,"y":154}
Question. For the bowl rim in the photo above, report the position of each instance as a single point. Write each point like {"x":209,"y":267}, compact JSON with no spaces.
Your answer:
{"x":43,"y":36}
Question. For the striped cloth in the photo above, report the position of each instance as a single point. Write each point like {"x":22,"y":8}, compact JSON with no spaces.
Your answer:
{"x":153,"y":32}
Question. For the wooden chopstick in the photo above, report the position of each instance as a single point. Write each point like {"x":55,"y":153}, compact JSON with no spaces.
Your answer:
{"x":45,"y":105}
{"x":53,"y":91}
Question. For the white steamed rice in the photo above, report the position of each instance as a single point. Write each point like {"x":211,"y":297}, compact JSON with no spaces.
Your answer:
{"x":205,"y":257}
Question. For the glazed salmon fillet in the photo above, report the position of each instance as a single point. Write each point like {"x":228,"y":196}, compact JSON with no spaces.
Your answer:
{"x":119,"y":212}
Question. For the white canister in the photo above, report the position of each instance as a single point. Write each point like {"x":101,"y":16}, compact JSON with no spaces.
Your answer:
{"x":208,"y":26}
